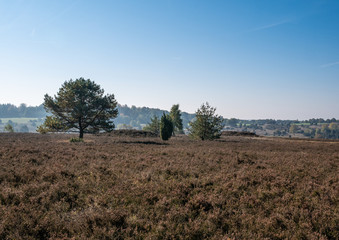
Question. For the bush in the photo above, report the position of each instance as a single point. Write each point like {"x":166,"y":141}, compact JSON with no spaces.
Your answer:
{"x":9,"y":128}
{"x":76,"y":139}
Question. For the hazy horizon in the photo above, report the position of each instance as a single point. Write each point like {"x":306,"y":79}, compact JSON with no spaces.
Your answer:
{"x":249,"y":59}
{"x":130,"y":106}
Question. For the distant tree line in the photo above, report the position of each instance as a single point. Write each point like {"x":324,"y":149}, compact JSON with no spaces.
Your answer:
{"x":139,"y":117}
{"x":128,"y":117}
{"x":144,"y":117}
{"x":23,"y":111}
{"x":326,"y":131}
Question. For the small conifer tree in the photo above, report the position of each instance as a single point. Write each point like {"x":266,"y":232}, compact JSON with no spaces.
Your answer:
{"x":166,"y":127}
{"x":207,"y":124}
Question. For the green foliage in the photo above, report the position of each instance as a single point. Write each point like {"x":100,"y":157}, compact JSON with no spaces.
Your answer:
{"x":76,"y":139}
{"x":51,"y":124}
{"x":327,"y":132}
{"x":309,"y":132}
{"x":207,"y":125}
{"x":334,"y":126}
{"x":153,"y":126}
{"x":294,"y":128}
{"x":175,"y":115}
{"x":166,"y":127}
{"x":80,"y":105}
{"x":8,"y":128}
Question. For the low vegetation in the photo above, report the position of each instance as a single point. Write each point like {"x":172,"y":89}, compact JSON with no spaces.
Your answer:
{"x":9,"y":128}
{"x":117,"y":187}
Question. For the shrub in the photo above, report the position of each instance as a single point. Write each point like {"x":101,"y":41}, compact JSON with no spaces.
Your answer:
{"x":76,"y":139}
{"x":9,"y":128}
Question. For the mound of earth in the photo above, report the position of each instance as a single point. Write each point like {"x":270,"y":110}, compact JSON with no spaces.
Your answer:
{"x":130,"y":133}
{"x":235,"y":133}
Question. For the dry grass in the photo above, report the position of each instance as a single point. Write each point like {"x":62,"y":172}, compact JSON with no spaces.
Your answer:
{"x":113,"y":187}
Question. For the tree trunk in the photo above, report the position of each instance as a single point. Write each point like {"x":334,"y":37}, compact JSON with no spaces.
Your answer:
{"x":81,"y":135}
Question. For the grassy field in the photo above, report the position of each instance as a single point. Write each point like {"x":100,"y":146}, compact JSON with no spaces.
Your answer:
{"x":302,"y":124}
{"x":121,"y":187}
{"x":18,"y":120}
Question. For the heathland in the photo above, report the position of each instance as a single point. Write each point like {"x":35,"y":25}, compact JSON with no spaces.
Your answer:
{"x":117,"y":186}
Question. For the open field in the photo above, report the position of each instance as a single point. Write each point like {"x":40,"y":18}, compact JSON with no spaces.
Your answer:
{"x":18,"y":120}
{"x":112,"y":187}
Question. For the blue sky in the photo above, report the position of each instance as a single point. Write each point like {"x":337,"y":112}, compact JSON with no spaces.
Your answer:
{"x":249,"y":59}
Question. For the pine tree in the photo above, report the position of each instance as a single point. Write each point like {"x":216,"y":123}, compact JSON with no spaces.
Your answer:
{"x":80,"y":105}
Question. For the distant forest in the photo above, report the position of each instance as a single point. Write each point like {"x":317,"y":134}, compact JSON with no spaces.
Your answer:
{"x":138,"y":117}
{"x":23,"y":111}
{"x":129,"y":117}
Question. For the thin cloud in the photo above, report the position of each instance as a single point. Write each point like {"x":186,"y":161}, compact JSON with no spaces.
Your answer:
{"x":270,"y":26}
{"x":329,"y":64}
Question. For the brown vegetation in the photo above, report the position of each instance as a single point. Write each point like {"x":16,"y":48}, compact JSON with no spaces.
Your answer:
{"x":236,"y":133}
{"x":112,"y":187}
{"x":129,"y":133}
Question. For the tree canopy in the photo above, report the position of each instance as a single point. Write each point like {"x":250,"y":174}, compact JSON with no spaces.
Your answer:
{"x":80,"y":105}
{"x":207,"y":124}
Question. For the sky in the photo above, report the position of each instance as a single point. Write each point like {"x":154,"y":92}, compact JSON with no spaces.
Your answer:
{"x":249,"y":59}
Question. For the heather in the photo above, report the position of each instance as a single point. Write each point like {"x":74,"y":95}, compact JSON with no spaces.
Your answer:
{"x":115,"y":186}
